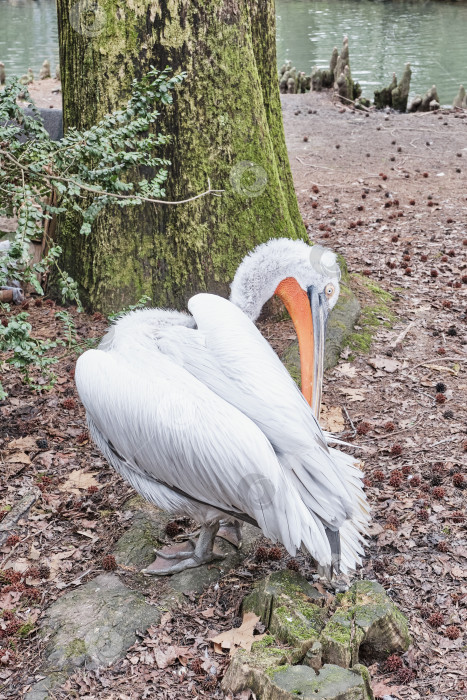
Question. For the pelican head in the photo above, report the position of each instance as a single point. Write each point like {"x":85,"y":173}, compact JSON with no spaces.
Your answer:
{"x":306,"y":279}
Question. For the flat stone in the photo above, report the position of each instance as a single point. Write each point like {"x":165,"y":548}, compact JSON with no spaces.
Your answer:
{"x":40,"y":690}
{"x":8,"y":224}
{"x":95,"y":624}
{"x":91,"y":626}
{"x":340,"y":326}
{"x":366,"y":626}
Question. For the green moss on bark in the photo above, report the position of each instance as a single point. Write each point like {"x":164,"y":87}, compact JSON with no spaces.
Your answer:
{"x":227,"y":111}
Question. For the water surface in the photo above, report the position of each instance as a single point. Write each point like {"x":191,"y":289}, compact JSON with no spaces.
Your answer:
{"x":28,"y":35}
{"x":383,"y":37}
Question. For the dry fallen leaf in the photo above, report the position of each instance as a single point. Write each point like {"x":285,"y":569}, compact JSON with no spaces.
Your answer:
{"x":353,"y":394}
{"x":166,"y":617}
{"x":19,"y":457}
{"x":57,"y":560}
{"x":381,"y":688}
{"x":78,"y":479}
{"x":441,"y":368}
{"x":171,"y":655}
{"x":332,"y":419}
{"x":385,"y":363}
{"x":347,"y":369}
{"x":24,"y":443}
{"x":240,"y":636}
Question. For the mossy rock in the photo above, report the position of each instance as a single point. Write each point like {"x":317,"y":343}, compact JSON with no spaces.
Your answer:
{"x":253,"y":670}
{"x":331,"y":683}
{"x":42,"y":689}
{"x":366,"y":626}
{"x":290,"y":607}
{"x":270,"y":679}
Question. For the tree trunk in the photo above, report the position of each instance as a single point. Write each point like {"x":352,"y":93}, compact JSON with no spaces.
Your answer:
{"x":227,"y":111}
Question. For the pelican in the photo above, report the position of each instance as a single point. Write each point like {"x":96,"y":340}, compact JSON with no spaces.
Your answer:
{"x":200,"y":416}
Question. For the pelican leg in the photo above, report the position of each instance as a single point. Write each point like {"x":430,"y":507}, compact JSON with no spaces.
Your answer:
{"x":231,"y":531}
{"x":202,"y":553}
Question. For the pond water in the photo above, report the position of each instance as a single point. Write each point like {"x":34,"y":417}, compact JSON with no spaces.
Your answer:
{"x":28,"y":35}
{"x":383,"y":37}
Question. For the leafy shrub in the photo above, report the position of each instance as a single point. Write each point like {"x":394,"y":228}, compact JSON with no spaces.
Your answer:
{"x":86,"y":170}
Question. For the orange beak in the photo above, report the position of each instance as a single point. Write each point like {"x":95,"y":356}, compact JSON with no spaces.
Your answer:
{"x":308,"y":311}
{"x":296,"y":301}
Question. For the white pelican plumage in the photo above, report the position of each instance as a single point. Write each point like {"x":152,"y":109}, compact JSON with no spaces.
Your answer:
{"x":200,"y":416}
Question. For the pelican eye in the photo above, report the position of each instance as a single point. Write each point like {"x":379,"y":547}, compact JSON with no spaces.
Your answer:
{"x":329,"y":290}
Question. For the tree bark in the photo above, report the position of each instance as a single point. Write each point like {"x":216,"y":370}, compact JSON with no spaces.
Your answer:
{"x":227,"y":111}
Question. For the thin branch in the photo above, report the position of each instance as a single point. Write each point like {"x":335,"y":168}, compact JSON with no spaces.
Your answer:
{"x":341,"y":97}
{"x":100,"y":192}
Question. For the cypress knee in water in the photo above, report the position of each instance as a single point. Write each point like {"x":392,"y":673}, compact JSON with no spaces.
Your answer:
{"x":287,"y":66}
{"x":427,"y":103}
{"x":289,"y":73}
{"x":343,"y":82}
{"x":383,"y":97}
{"x":400,"y":94}
{"x":322,"y":78}
{"x":333,"y":61}
{"x":44,"y":71}
{"x":342,"y":59}
{"x":460,"y":100}
{"x":2,"y":73}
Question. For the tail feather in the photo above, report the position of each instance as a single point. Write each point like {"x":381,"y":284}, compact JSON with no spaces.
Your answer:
{"x":341,"y":522}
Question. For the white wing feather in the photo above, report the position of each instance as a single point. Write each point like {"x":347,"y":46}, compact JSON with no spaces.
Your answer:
{"x":167,"y":428}
{"x":230,"y":356}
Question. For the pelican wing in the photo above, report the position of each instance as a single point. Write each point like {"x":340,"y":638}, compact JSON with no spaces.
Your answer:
{"x":230,"y":356}
{"x":161,"y":427}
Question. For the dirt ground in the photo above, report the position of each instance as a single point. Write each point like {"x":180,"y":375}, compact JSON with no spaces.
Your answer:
{"x":389,"y":193}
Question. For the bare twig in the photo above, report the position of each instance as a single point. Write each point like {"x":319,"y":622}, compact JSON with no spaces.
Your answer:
{"x":341,"y":97}
{"x":97,"y":191}
{"x":350,"y":421}
{"x":402,"y":335}
{"x":17,"y":512}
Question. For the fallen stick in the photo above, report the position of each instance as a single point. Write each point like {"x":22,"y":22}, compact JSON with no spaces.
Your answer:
{"x":402,"y":335}
{"x":17,"y":512}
